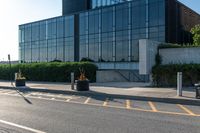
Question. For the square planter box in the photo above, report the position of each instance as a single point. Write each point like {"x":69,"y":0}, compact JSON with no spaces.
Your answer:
{"x":20,"y":82}
{"x":197,"y":87}
{"x":198,"y":92}
{"x":82,"y":85}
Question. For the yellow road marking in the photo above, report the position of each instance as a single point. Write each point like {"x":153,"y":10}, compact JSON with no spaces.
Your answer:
{"x":87,"y":100}
{"x":128,"y":104}
{"x":186,"y":109}
{"x":139,"y":109}
{"x":153,"y":107}
{"x":117,"y":107}
{"x":106,"y":102}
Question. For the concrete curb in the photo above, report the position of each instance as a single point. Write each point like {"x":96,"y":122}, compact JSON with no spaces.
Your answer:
{"x":195,"y":102}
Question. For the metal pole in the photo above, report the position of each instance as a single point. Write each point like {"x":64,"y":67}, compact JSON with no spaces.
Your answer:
{"x":72,"y":80}
{"x":10,"y":69}
{"x":179,"y":83}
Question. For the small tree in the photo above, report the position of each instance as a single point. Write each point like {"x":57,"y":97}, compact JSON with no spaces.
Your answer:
{"x":196,"y":34}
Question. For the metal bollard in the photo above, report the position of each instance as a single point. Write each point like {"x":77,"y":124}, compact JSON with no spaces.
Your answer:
{"x":179,"y":83}
{"x":72,"y":80}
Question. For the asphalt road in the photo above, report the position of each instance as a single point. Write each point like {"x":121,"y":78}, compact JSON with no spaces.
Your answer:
{"x":20,"y":114}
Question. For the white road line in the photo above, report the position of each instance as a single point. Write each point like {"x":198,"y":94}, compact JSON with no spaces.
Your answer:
{"x":27,"y":95}
{"x":22,"y":127}
{"x":11,"y":92}
{"x":51,"y":95}
{"x":4,"y":91}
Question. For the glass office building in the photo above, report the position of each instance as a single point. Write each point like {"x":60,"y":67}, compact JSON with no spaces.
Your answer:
{"x":107,"y":32}
{"x":47,"y":40}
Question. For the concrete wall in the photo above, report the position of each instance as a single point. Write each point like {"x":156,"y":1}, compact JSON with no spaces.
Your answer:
{"x":109,"y":76}
{"x":118,"y":65}
{"x":147,"y":53}
{"x":180,"y":55}
{"x":120,"y":76}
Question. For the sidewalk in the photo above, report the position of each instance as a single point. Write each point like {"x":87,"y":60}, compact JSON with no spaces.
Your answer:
{"x":128,"y":89}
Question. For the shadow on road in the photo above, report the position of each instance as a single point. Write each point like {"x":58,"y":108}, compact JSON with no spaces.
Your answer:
{"x":28,"y":101}
{"x":21,"y":94}
{"x":102,"y":96}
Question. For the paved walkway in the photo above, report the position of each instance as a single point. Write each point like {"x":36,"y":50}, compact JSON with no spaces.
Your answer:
{"x":113,"y":88}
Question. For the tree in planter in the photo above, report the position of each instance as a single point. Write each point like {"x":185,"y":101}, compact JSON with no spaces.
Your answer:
{"x":83,"y":82}
{"x":20,"y":80}
{"x":196,"y":34}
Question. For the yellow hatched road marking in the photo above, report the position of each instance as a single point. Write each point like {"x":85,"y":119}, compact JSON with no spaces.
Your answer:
{"x":106,"y":102}
{"x":128,"y":104}
{"x":153,"y":107}
{"x":87,"y":100}
{"x":186,"y":109}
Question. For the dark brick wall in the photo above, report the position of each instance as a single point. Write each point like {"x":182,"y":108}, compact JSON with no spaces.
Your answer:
{"x":74,"y":6}
{"x":179,"y":21}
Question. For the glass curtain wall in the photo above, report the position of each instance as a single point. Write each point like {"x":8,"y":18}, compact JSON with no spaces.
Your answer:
{"x":157,"y":20}
{"x":100,"y":3}
{"x":108,"y":34}
{"x":112,"y":33}
{"x":107,"y":26}
{"x":83,"y":35}
{"x":47,"y":40}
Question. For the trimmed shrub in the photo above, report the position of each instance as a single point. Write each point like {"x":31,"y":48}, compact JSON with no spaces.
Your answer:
{"x":166,"y":75}
{"x":53,"y":71}
{"x":168,"y":45}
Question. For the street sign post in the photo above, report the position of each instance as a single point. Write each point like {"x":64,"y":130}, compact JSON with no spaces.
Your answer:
{"x":72,"y":80}
{"x":10,"y":69}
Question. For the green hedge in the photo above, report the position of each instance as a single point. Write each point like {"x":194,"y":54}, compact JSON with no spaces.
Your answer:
{"x":53,"y":72}
{"x":168,"y":45}
{"x":166,"y":75}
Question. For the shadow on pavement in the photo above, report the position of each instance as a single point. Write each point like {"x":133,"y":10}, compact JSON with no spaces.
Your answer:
{"x":19,"y":92}
{"x":28,"y":101}
{"x":102,"y":96}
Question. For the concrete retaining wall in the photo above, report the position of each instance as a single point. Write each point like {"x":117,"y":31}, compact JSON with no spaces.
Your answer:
{"x":109,"y":76}
{"x":120,"y":76}
{"x":147,"y":53}
{"x":180,"y":55}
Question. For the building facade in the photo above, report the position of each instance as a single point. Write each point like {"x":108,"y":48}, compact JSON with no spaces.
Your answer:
{"x":70,"y":7}
{"x":105,"y":31}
